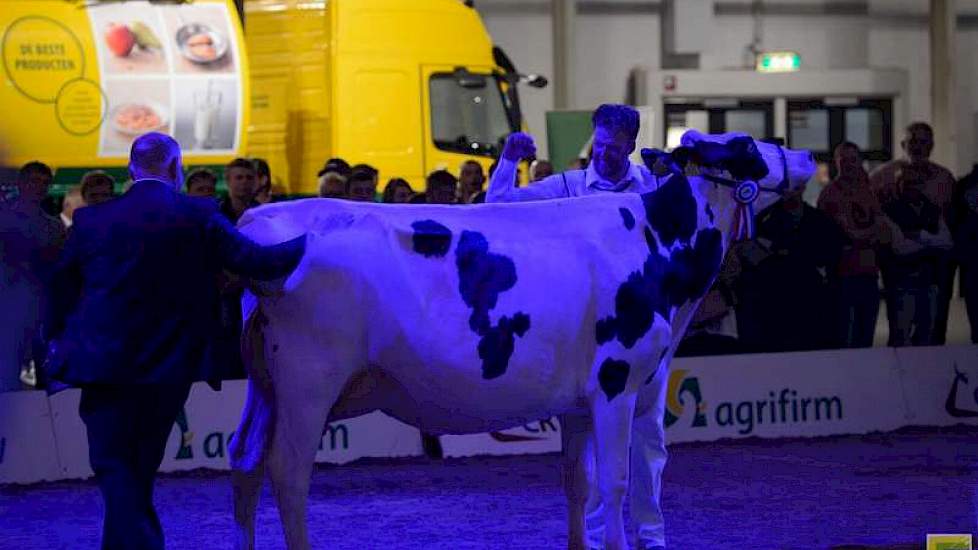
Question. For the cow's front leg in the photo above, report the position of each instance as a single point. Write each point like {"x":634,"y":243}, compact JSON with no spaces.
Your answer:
{"x":612,"y":436}
{"x":575,"y":434}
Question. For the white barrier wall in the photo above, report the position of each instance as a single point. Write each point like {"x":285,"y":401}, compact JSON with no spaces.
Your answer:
{"x":28,"y":451}
{"x":773,"y":395}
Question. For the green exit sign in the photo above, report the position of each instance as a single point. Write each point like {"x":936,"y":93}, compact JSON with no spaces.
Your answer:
{"x":778,"y":62}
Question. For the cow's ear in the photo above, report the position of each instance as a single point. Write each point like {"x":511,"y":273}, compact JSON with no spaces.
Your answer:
{"x":651,"y":156}
{"x":657,"y":161}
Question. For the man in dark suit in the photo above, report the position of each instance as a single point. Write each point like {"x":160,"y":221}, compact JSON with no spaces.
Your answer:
{"x":134,"y":311}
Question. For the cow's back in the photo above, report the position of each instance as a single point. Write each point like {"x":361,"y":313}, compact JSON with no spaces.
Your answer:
{"x":461,"y":301}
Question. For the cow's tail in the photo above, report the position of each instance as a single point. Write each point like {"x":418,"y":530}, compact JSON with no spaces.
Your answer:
{"x":247,"y":449}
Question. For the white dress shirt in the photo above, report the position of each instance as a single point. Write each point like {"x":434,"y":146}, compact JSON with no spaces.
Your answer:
{"x":573,"y":183}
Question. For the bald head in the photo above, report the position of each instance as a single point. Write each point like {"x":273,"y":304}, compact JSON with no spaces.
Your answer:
{"x":156,"y":156}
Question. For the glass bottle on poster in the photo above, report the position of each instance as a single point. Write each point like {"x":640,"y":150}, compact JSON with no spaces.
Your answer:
{"x":207,"y":108}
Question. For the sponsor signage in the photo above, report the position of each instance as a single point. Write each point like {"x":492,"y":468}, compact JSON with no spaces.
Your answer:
{"x":783,"y":395}
{"x":772,"y":395}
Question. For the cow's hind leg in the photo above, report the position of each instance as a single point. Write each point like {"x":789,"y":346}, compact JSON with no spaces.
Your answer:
{"x":575,"y":432}
{"x":612,"y":435}
{"x":247,"y":449}
{"x":303,"y":398}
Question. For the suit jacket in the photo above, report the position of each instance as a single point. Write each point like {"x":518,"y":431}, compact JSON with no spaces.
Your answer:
{"x":134,"y":298}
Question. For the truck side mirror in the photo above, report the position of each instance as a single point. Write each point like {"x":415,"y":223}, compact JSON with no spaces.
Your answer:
{"x":536,"y":80}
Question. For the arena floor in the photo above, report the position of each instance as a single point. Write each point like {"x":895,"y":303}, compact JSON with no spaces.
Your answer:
{"x":879,"y":491}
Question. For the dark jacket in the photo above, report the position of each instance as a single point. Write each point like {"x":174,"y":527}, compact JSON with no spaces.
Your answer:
{"x":912,"y":213}
{"x":133,"y":298}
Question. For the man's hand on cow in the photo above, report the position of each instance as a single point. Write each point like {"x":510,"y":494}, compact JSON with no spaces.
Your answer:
{"x":518,"y":147}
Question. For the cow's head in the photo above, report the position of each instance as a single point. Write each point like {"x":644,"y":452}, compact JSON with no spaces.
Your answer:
{"x":757,"y":173}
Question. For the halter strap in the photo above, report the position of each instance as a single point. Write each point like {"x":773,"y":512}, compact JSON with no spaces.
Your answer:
{"x":745,"y":192}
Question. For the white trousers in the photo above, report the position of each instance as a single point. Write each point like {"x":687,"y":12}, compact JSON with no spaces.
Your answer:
{"x":647,"y":460}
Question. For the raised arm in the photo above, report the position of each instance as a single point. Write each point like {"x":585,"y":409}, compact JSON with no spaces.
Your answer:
{"x":502,"y":184}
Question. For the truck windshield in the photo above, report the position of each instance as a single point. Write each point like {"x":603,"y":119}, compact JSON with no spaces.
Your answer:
{"x":467,"y":113}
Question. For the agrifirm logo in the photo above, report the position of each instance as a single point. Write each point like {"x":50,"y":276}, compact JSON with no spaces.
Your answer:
{"x":335,"y":437}
{"x":967,"y":406}
{"x":949,"y":542}
{"x":784,"y":406}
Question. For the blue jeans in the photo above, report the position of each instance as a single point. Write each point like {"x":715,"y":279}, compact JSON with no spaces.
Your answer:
{"x":913,"y":309}
{"x":858,"y":308}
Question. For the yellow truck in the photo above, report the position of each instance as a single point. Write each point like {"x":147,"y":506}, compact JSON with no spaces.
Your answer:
{"x":408,"y":86}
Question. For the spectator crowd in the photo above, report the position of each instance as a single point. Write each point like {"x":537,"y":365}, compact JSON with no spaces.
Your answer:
{"x":812,"y":277}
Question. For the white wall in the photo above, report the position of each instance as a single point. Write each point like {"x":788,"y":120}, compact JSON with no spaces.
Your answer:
{"x":893,"y":35}
{"x":606,"y":48}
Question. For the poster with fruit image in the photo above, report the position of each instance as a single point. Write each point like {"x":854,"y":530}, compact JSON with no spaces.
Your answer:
{"x":128,"y":39}
{"x":82,"y":79}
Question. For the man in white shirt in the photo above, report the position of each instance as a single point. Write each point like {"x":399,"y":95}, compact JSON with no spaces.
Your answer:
{"x":615,"y":132}
{"x":609,"y":169}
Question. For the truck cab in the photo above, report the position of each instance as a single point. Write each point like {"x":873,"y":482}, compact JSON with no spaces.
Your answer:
{"x":406,"y":86}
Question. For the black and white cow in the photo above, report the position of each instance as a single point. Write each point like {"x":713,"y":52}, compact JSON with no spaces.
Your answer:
{"x":465,"y":320}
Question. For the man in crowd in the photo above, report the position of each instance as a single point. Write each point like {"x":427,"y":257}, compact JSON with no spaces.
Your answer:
{"x":363,"y":169}
{"x":470,"y":182}
{"x":783,"y":293}
{"x":362,"y":185}
{"x":30,"y":241}
{"x":615,"y":131}
{"x":440,"y":187}
{"x":921,"y":245}
{"x":332,"y":185}
{"x":337,"y":165}
{"x":938,"y":184}
{"x":851,"y":204}
{"x":202,"y":182}
{"x":97,"y":187}
{"x":242,"y":183}
{"x":333,"y":177}
{"x":73,"y":201}
{"x":146,"y":296}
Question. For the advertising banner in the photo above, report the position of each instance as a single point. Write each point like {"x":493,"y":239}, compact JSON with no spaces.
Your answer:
{"x":773,"y":395}
{"x":204,"y":428}
{"x":940,"y":384}
{"x":534,"y":438}
{"x":84,"y":79}
{"x":27,"y":446}
{"x":783,"y":395}
{"x":70,"y":433}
